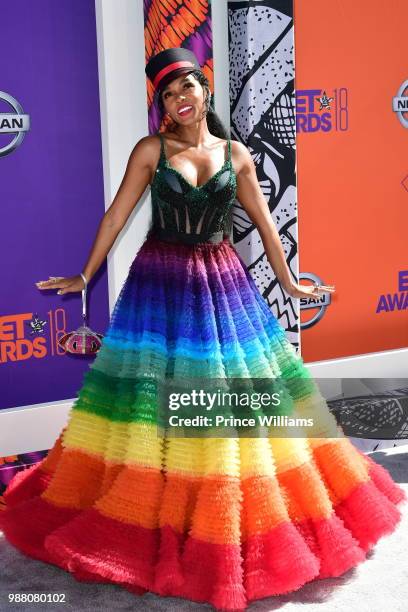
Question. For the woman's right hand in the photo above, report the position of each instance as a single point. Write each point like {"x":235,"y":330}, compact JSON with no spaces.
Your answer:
{"x":69,"y":284}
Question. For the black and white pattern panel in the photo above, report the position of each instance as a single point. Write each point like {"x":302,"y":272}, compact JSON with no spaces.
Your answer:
{"x":262,"y":102}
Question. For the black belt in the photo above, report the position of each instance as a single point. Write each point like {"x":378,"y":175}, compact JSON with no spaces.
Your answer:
{"x":172,"y":236}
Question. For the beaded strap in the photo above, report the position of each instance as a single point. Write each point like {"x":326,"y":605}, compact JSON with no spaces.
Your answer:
{"x":84,"y":297}
{"x":162,"y":155}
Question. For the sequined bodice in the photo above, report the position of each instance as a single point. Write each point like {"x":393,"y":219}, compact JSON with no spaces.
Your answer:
{"x":192,"y":213}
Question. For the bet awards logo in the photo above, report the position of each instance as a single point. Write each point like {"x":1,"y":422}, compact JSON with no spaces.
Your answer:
{"x":27,"y":335}
{"x":320,"y":111}
{"x":316,"y":305}
{"x":16,"y":124}
{"x":389,"y":302}
{"x":400,"y":104}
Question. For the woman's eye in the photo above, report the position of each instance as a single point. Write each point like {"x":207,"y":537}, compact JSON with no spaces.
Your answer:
{"x":185,"y":85}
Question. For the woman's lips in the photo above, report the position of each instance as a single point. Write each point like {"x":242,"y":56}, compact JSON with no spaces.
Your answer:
{"x":185,"y":112}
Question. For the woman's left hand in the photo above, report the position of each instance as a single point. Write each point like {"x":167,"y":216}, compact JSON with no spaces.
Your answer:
{"x":309,"y":291}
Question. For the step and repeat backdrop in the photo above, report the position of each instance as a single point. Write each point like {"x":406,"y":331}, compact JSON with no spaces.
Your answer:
{"x":52,"y":199}
{"x":323,"y":111}
{"x":352,"y":173}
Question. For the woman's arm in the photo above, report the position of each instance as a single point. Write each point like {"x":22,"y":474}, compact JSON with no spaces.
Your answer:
{"x":250,"y":195}
{"x":135,"y":180}
{"x":139,"y":171}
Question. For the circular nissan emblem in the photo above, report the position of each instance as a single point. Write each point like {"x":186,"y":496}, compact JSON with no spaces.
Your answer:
{"x":316,"y":304}
{"x":16,"y":124}
{"x":400,"y":104}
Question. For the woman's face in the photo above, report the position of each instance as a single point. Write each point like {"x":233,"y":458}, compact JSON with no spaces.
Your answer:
{"x":184,"y":91}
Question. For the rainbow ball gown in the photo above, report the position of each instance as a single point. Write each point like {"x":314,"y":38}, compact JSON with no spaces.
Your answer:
{"x":222,"y":520}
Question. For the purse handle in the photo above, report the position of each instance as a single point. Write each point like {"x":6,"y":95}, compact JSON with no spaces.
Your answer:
{"x":84,"y":298}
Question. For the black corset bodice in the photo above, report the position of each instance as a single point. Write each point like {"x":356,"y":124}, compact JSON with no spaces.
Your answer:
{"x":186,"y":213}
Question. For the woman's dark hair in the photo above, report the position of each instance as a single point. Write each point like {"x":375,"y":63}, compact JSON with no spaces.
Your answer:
{"x":215,"y":125}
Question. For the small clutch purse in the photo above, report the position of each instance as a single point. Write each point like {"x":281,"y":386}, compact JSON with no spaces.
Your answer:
{"x":82,"y":341}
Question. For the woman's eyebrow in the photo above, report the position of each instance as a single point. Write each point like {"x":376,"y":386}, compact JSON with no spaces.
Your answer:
{"x":183,"y":81}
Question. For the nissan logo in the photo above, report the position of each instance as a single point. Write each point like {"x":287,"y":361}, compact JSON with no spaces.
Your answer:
{"x":319,"y":304}
{"x":400,"y":104}
{"x":16,"y":123}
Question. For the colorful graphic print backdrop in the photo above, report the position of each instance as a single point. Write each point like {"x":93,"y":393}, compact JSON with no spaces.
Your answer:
{"x":261,"y":57}
{"x":51,"y":193}
{"x":181,"y":24}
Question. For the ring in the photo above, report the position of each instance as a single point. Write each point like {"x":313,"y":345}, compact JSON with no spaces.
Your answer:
{"x":317,"y":286}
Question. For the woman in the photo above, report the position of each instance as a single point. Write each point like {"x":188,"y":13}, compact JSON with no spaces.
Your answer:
{"x":223,"y":520}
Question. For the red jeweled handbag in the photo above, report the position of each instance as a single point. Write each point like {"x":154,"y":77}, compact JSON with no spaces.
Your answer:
{"x":82,"y":341}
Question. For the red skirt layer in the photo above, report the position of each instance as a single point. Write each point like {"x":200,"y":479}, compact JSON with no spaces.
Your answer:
{"x":94,"y":547}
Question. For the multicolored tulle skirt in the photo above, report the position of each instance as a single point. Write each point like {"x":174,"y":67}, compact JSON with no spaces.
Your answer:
{"x":223,"y":520}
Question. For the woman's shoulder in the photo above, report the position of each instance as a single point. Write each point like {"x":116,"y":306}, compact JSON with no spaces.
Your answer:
{"x":150,"y":141}
{"x":149,"y":146}
{"x":146,"y":152}
{"x":240,"y":156}
{"x":239,"y":149}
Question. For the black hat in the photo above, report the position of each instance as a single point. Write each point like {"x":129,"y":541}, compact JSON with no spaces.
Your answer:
{"x":169,"y":64}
